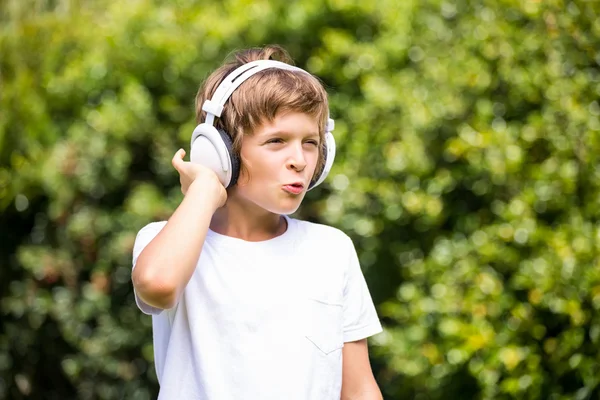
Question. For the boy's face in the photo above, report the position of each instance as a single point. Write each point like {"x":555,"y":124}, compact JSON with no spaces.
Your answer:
{"x":280,"y":159}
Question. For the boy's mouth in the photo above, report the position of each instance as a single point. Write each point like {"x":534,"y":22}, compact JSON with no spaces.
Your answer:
{"x":294,"y":188}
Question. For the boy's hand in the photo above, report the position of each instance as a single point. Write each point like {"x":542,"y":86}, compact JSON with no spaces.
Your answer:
{"x":199,"y":176}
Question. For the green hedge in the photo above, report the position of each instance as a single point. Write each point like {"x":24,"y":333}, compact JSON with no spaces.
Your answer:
{"x":468,"y":176}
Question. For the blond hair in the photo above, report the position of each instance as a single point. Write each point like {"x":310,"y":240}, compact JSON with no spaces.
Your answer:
{"x":265,"y":95}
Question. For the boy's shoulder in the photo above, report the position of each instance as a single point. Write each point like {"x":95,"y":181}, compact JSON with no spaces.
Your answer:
{"x":152,"y":228}
{"x":321,"y":233}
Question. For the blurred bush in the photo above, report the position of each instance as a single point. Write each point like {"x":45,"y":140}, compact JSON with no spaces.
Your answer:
{"x":467,"y":174}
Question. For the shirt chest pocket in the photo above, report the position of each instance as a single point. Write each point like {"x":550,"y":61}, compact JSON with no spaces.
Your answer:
{"x":323,"y":324}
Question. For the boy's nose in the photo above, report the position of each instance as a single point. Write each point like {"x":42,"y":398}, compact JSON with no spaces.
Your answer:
{"x":297,"y":161}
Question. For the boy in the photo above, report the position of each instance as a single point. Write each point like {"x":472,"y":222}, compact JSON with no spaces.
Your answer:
{"x":246,"y":302}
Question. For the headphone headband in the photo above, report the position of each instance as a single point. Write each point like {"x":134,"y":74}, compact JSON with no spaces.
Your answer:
{"x":214,"y":106}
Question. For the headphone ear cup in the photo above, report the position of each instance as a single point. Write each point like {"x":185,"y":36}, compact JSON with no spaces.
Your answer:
{"x":329,"y":154}
{"x":233,"y":158}
{"x":213,"y":149}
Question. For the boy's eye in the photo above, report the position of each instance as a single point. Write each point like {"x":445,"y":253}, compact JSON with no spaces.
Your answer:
{"x":275,"y":140}
{"x":313,"y":142}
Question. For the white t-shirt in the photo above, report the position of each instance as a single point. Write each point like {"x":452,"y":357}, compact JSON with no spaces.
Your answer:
{"x":262,"y":320}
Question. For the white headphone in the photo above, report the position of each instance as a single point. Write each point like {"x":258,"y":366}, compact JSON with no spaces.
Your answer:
{"x":213,"y":147}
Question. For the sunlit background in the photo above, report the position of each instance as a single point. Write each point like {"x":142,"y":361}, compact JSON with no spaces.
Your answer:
{"x":467,"y":175}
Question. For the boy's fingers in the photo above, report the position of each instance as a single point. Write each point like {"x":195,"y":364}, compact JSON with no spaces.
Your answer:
{"x":178,"y":159}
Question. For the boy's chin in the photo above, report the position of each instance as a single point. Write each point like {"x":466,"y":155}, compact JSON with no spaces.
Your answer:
{"x":286,"y":209}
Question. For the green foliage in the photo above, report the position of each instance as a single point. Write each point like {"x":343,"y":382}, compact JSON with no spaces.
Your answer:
{"x":467,"y":175}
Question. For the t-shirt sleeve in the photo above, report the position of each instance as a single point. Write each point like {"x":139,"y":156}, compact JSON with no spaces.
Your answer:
{"x":145,"y":236}
{"x":360,"y":317}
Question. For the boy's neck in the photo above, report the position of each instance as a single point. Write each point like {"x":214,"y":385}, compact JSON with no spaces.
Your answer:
{"x":252,"y":224}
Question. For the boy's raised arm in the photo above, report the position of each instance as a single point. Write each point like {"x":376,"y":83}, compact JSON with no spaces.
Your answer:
{"x":166,"y":264}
